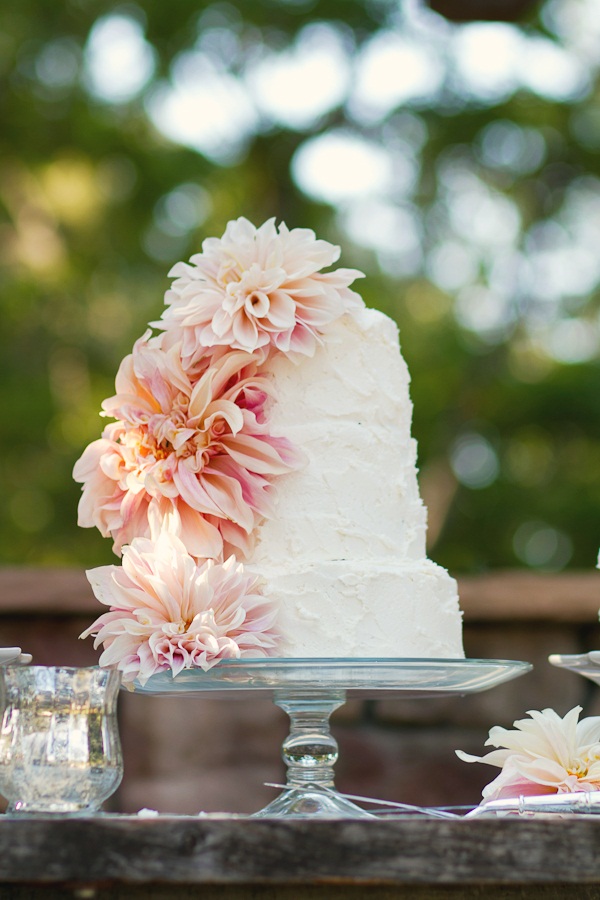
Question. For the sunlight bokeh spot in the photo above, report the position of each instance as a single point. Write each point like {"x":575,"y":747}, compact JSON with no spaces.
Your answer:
{"x":505,"y":145}
{"x":486,"y":58}
{"x":474,"y":461}
{"x":57,"y":64}
{"x":552,"y":71}
{"x":297,"y":86}
{"x":392,"y":71}
{"x":485,"y":312}
{"x":452,"y":264}
{"x":542,"y":547}
{"x":184,"y":208}
{"x":571,"y":341}
{"x":205,"y":108}
{"x":339,"y":165}
{"x":118,"y":60}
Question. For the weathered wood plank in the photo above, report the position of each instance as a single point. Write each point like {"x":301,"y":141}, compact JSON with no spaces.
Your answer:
{"x":191,"y":851}
{"x":26,"y":590}
{"x":522,"y":595}
{"x":297,"y":892}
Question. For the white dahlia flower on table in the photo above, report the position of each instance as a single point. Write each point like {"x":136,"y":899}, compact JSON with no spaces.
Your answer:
{"x":545,"y":754}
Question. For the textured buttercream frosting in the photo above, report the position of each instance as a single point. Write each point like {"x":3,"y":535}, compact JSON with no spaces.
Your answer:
{"x":343,"y":555}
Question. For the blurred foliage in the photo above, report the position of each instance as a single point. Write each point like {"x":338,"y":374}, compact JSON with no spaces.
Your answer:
{"x":507,"y":406}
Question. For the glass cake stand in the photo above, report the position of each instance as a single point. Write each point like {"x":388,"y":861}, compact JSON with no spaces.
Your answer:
{"x":309,"y":690}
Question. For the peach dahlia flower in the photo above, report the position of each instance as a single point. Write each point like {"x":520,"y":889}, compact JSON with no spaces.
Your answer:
{"x":258,"y":287}
{"x":193,"y":455}
{"x":170,"y":612}
{"x":545,"y":754}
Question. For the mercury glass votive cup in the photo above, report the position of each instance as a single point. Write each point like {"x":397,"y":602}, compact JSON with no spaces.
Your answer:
{"x":59,"y":741}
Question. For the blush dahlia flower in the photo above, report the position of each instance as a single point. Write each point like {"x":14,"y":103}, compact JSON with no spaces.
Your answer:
{"x":169,"y":612}
{"x":189,"y":454}
{"x":545,"y":754}
{"x":258,"y":287}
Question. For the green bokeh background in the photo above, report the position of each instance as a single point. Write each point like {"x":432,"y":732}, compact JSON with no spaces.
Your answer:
{"x":83,"y":183}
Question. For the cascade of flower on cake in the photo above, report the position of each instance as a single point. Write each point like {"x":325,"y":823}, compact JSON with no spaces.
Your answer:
{"x":259,"y":479}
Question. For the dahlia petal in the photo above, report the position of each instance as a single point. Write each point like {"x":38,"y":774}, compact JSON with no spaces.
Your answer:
{"x":515,"y":788}
{"x":192,"y":490}
{"x":122,"y":646}
{"x":281,"y":314}
{"x":88,"y":462}
{"x":302,"y":340}
{"x":235,"y":539}
{"x":181,"y":270}
{"x":245,"y":332}
{"x":200,"y":537}
{"x":542,"y":771}
{"x":102,"y":583}
{"x":495,"y":758}
{"x":230,"y":365}
{"x":226,"y":410}
{"x":201,"y":395}
{"x":258,"y":454}
{"x":226,"y":494}
{"x":340,"y":277}
{"x":112,"y":464}
{"x":221,"y":324}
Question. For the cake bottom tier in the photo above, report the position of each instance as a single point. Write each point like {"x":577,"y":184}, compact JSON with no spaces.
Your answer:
{"x":364,"y":609}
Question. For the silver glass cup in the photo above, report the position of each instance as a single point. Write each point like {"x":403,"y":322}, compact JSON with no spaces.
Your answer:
{"x":59,"y":741}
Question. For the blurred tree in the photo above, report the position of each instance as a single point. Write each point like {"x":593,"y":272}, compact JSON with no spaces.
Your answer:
{"x":457,"y":164}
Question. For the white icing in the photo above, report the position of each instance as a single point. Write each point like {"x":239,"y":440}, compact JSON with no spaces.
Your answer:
{"x":338,"y":609}
{"x":344,"y":556}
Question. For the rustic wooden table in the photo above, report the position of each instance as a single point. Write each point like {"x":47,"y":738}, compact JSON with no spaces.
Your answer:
{"x":176,"y":858}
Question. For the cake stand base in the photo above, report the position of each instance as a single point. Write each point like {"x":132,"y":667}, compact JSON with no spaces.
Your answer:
{"x":310,"y":752}
{"x":311,"y":802}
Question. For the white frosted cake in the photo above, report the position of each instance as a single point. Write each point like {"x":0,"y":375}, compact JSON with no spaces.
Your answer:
{"x":259,"y":478}
{"x":343,"y":557}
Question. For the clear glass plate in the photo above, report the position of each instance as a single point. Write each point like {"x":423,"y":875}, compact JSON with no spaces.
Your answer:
{"x":366,"y":678}
{"x":586,"y":664}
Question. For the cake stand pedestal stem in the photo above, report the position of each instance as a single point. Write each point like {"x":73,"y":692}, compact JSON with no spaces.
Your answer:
{"x":310,"y":751}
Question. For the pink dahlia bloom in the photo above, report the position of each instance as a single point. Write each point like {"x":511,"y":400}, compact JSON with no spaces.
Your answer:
{"x":258,"y":287}
{"x":192,"y":455}
{"x":170,"y":612}
{"x":545,"y":754}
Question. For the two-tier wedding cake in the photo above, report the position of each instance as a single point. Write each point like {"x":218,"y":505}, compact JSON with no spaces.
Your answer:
{"x":343,"y":556}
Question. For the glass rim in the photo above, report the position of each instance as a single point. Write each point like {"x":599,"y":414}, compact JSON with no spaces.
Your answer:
{"x":14,"y":666}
